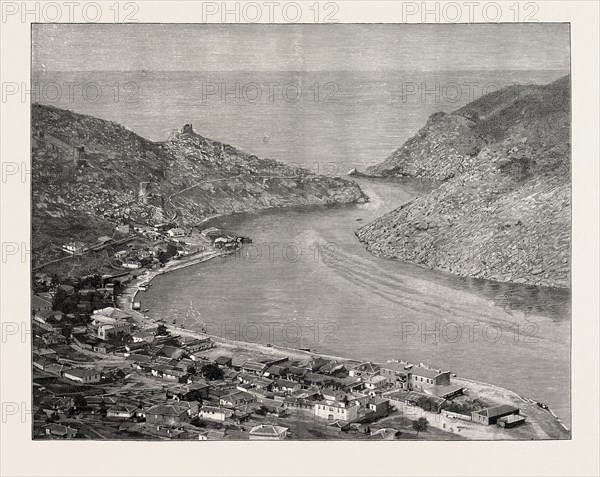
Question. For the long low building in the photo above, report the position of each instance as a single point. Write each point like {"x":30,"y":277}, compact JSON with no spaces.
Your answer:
{"x":491,"y":415}
{"x":84,"y":376}
{"x":121,"y":411}
{"x":58,"y":430}
{"x":214,"y":413}
{"x":444,"y":391}
{"x":511,"y":421}
{"x":266,"y":432}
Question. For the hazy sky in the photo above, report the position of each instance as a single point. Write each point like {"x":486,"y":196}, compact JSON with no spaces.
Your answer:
{"x":334,"y":47}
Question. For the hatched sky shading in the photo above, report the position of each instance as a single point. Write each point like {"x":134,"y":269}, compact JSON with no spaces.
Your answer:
{"x":306,"y":47}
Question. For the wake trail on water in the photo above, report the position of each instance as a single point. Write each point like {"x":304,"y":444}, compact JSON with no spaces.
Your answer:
{"x":405,"y":292}
{"x":375,"y":201}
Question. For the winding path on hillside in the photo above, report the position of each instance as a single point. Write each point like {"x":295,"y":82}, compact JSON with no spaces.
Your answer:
{"x":175,"y":209}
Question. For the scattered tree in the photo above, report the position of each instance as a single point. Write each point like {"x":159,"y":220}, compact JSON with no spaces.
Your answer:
{"x":212,"y":372}
{"x":164,"y":257}
{"x":79,"y":401}
{"x":92,"y":281}
{"x":119,"y":338}
{"x":427,"y":404}
{"x":63,"y":302}
{"x":191,"y":369}
{"x":118,"y":374}
{"x":465,"y":407}
{"x":420,"y":425}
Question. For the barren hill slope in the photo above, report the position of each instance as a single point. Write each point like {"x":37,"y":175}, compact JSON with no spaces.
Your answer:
{"x":503,"y":211}
{"x":90,"y":174}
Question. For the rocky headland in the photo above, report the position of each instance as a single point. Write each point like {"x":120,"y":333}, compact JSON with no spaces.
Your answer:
{"x":503,"y":209}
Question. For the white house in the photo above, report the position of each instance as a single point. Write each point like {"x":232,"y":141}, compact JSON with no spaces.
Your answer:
{"x":176,"y":232}
{"x":121,"y":411}
{"x":374,"y":383}
{"x":58,"y":430}
{"x":143,"y":336}
{"x":123,"y":229}
{"x":106,"y":330}
{"x":74,"y":247}
{"x":133,"y":265}
{"x":121,"y":254}
{"x":336,"y":411}
{"x":84,"y":376}
{"x":214,"y":413}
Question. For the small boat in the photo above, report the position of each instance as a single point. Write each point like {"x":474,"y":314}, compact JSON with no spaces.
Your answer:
{"x":359,"y":220}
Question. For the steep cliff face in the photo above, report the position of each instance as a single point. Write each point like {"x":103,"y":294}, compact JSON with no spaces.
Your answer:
{"x":90,"y":174}
{"x":503,"y":211}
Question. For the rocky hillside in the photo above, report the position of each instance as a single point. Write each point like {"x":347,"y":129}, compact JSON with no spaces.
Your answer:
{"x":90,"y":174}
{"x":503,"y":211}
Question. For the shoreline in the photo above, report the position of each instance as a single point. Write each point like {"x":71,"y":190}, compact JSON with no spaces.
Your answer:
{"x":172,"y":266}
{"x":368,"y":248}
{"x":456,"y":274}
{"x":126,"y":298}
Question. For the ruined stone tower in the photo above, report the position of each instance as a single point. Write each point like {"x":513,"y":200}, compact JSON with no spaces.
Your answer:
{"x":144,"y":192}
{"x":78,"y":155}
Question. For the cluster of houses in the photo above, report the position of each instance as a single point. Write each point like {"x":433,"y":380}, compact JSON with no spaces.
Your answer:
{"x":168,"y":358}
{"x":160,"y":231}
{"x":338,"y":393}
{"x":133,"y":256}
{"x":222,"y":240}
{"x":52,"y":327}
{"x":164,"y":237}
{"x":111,"y":331}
